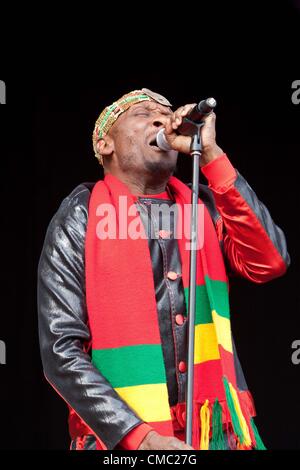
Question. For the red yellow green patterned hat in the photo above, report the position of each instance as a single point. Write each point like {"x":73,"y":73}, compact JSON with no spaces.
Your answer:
{"x":111,"y":113}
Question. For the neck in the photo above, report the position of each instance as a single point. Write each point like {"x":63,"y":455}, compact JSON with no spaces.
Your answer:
{"x":140,"y":186}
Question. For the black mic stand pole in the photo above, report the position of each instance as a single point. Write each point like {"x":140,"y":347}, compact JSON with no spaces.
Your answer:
{"x":195,"y":151}
{"x":192,"y":129}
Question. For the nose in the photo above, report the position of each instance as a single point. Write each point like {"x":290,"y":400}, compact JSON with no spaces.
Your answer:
{"x":159,"y":121}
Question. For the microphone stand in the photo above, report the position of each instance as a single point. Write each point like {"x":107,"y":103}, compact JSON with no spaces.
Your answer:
{"x":195,"y":151}
{"x":192,"y":128}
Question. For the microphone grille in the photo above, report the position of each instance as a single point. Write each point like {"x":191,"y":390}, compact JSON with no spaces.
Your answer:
{"x":211,"y":102}
{"x":162,"y":141}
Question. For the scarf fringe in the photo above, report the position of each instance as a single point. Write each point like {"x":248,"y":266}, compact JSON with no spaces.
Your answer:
{"x":243,"y":426}
{"x":259,"y":445}
{"x":217,"y":440}
{"x":205,"y":426}
{"x":233,"y":413}
{"x":212,"y":435}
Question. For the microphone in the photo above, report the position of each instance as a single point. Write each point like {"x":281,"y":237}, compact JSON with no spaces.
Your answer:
{"x":202,"y":109}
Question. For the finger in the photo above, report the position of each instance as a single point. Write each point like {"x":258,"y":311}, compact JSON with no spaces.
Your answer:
{"x":181,"y":444}
{"x":176,"y":119}
{"x":187,"y":108}
{"x":176,"y":122}
{"x":178,"y":111}
{"x":210,"y":118}
{"x":168,"y":126}
{"x":189,"y":447}
{"x":184,"y":110}
{"x":179,"y":114}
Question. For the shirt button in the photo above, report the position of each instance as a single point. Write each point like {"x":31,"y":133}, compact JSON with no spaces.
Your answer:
{"x":164,"y":234}
{"x":182,"y":366}
{"x":179,"y":319}
{"x":172,"y":275}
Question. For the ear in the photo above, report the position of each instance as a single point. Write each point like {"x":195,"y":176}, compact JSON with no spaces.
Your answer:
{"x":105,"y":146}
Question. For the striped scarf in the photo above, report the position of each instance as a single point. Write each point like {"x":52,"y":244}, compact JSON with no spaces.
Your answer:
{"x":123,"y":320}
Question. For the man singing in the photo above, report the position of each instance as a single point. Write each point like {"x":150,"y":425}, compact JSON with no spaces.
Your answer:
{"x":113,"y":287}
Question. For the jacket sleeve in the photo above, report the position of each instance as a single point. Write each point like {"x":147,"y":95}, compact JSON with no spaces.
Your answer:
{"x":64,"y":334}
{"x":254,"y":246}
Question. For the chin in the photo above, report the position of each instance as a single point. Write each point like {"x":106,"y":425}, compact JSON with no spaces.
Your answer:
{"x":163,"y":166}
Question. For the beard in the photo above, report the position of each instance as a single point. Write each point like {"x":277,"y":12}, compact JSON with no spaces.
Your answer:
{"x":162,"y":168}
{"x":157,"y":169}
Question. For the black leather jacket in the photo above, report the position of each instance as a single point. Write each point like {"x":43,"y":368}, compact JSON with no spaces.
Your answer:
{"x":63,"y":320}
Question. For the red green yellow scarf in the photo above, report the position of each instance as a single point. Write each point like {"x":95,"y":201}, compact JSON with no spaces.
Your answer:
{"x":123,"y":319}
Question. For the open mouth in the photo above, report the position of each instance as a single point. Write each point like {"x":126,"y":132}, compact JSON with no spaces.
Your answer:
{"x":153,"y":144}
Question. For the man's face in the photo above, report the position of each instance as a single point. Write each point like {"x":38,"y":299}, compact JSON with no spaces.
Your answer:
{"x":134,"y":136}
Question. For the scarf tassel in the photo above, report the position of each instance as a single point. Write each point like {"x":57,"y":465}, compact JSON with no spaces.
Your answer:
{"x":246,"y":432}
{"x":259,"y":445}
{"x":238,"y":420}
{"x":205,"y":426}
{"x":257,"y":442}
{"x":245,"y":429}
{"x":217,"y":440}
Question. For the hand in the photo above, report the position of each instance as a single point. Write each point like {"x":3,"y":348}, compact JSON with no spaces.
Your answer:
{"x":182,"y":143}
{"x":154,"y":441}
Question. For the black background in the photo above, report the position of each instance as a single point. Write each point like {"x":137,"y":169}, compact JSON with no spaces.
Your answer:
{"x":46,"y":151}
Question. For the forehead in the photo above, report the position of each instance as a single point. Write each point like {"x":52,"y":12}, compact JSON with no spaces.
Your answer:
{"x":149,"y":106}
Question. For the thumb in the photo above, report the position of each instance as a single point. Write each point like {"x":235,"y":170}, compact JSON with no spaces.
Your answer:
{"x":169,"y":128}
